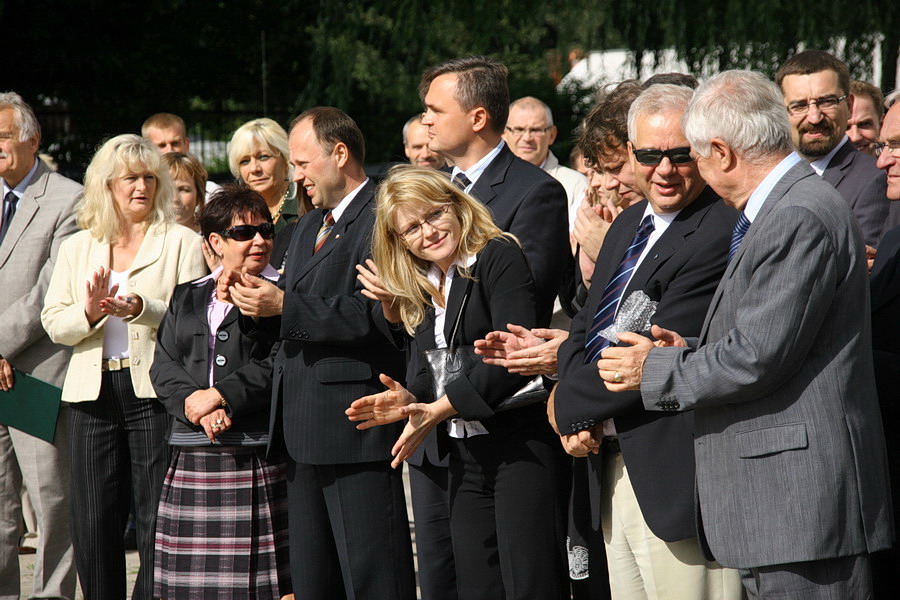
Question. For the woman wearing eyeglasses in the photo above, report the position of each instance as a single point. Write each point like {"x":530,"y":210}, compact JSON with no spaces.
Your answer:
{"x":108,"y":293}
{"x":432,"y":243}
{"x":222,"y":525}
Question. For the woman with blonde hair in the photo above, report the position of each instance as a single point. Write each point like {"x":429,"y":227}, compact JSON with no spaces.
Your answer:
{"x":446,"y":275}
{"x":189,"y":178}
{"x":258,"y":157}
{"x":107,"y":295}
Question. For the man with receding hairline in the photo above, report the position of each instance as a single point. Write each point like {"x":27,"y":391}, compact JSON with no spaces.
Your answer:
{"x":415,"y":145}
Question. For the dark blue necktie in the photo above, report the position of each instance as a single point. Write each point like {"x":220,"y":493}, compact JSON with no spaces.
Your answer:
{"x":606,"y":313}
{"x":9,"y":211}
{"x":461,"y":181}
{"x":737,"y":236}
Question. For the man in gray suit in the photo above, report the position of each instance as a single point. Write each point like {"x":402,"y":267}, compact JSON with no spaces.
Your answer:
{"x":37,"y":216}
{"x":791,"y":469}
{"x":816,"y":89}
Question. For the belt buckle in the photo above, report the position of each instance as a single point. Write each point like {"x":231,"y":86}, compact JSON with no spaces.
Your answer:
{"x":114,"y":364}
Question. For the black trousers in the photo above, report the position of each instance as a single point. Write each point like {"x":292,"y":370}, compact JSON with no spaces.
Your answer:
{"x":430,"y":489}
{"x":119,"y":452}
{"x":509,"y":495}
{"x":349,"y":532}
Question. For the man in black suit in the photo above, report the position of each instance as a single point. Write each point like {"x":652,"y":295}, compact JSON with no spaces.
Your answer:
{"x":673,"y":247}
{"x":466,"y":104}
{"x":816,"y":88}
{"x":347,"y":512}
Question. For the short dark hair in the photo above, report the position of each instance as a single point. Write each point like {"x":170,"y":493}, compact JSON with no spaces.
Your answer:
{"x":814,"y":61}
{"x":332,"y":126}
{"x":864,"y":88}
{"x":682,"y":79}
{"x":481,"y":81}
{"x":605,"y":129}
{"x":231,"y":201}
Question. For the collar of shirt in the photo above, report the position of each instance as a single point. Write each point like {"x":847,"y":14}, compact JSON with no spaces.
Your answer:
{"x":478,"y":168}
{"x":19,"y":190}
{"x":819,"y":165}
{"x":762,"y":191}
{"x":338,"y":210}
{"x":440,"y":312}
{"x":660,"y":224}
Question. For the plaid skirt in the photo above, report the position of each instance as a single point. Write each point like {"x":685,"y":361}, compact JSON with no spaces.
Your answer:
{"x":221,"y":531}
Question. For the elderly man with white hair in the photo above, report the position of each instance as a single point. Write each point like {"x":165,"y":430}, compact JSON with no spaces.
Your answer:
{"x":791,"y":471}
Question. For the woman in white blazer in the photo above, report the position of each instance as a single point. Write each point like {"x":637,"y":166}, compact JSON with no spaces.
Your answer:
{"x":108,"y":293}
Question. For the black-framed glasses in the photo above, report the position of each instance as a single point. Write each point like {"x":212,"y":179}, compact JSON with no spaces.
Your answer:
{"x":243,"y":233}
{"x":535,"y":131}
{"x":892,"y":147}
{"x":801,"y":107}
{"x":653,"y":156}
{"x":433,"y":218}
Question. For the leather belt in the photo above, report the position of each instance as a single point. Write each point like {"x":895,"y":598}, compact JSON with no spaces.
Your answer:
{"x":611,"y":444}
{"x":115,"y":364}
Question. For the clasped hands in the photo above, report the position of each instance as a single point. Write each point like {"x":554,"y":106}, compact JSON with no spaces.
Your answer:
{"x":522,"y":351}
{"x":204,"y":408}
{"x":394,"y":404}
{"x":101,"y":300}
{"x":254,"y":296}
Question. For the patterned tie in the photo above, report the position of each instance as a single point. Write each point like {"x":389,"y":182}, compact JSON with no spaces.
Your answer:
{"x":606,"y":313}
{"x":461,"y":181}
{"x":737,"y":236}
{"x":324,"y":230}
{"x":9,"y":211}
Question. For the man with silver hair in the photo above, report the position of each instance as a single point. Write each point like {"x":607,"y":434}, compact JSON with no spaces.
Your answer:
{"x":38,"y":214}
{"x":672,"y":248}
{"x":415,"y":145}
{"x":791,"y":470}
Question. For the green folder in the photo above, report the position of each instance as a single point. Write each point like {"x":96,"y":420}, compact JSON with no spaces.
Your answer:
{"x":31,"y":406}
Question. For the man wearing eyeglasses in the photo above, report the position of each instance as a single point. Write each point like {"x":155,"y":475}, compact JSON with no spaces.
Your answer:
{"x":816,"y":89}
{"x":672,"y":247}
{"x":529,"y":133}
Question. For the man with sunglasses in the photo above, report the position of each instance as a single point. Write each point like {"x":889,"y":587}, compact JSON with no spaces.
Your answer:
{"x":673,"y":248}
{"x":816,"y":89}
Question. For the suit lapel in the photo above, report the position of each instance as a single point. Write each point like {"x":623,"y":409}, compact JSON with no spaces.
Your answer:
{"x":494,"y":175}
{"x":613,"y":249}
{"x":454,"y":304}
{"x":151,"y":247}
{"x":26,"y":209}
{"x":837,"y":168}
{"x":200,"y":295}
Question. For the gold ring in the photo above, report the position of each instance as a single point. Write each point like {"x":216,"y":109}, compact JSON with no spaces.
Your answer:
{"x":617,"y":378}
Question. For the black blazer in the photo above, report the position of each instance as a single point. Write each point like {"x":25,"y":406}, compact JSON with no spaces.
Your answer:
{"x":335,"y":342}
{"x":681,"y":272}
{"x":885,"y":291}
{"x":181,"y":363}
{"x":863,"y":186}
{"x":502,"y":292}
{"x":532,"y":205}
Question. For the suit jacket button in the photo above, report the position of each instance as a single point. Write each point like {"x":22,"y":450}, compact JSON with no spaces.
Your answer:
{"x":135,"y":361}
{"x":676,"y":405}
{"x":222,"y":335}
{"x":221,"y":360}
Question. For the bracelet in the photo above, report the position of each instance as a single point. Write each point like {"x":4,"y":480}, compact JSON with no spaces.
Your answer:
{"x":222,"y":402}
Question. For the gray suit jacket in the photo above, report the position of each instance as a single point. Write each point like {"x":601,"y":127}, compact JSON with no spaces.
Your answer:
{"x":788,"y":439}
{"x":45,"y":216}
{"x":863,"y":186}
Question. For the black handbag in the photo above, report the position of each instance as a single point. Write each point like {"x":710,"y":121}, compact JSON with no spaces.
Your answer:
{"x":446,"y":364}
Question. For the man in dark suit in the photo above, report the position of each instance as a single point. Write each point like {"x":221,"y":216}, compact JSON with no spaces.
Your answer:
{"x":791,"y":471}
{"x":466,"y":104}
{"x":646,"y":461}
{"x":347,"y":512}
{"x":816,"y":88}
{"x":37,"y":215}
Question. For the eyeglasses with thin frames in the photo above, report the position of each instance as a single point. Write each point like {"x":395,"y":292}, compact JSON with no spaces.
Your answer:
{"x":824,"y":103}
{"x":414,"y":231}
{"x":534,"y":131}
{"x":892,"y":147}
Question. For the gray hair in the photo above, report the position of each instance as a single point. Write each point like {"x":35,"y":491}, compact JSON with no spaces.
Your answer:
{"x":891,"y":99}
{"x":657,"y":99}
{"x":25,"y":120}
{"x":745,"y":110}
{"x":416,"y":118}
{"x":532,"y":102}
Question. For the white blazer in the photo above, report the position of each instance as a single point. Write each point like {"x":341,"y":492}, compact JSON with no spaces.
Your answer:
{"x":169,"y":255}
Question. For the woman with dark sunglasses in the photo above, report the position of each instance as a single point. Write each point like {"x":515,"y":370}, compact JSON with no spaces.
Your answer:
{"x":222,"y":523}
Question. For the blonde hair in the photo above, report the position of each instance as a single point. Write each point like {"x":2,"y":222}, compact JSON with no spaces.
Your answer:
{"x":186,"y":166}
{"x":263,"y":131}
{"x":122,"y":154}
{"x":405,"y":275}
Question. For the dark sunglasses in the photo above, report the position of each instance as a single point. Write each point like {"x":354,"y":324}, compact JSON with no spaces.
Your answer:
{"x":652,"y":157}
{"x":243,"y":233}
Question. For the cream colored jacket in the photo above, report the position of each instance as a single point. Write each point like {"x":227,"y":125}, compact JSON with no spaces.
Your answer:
{"x":169,"y":255}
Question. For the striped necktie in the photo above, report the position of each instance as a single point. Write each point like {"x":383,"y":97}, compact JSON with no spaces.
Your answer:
{"x":9,"y":211}
{"x":461,"y":181}
{"x":324,"y":230}
{"x":737,"y":236}
{"x":606,"y":313}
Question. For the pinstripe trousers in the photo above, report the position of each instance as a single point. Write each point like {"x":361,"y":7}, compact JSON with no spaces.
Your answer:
{"x":119,"y":455}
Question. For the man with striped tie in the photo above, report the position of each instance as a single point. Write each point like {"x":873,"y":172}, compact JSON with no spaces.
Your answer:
{"x":672,"y":247}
